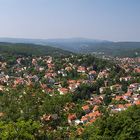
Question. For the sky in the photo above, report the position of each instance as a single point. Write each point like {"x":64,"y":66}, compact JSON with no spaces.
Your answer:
{"x":115,"y":20}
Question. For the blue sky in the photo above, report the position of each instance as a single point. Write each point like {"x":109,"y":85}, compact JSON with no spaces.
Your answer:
{"x":117,"y":20}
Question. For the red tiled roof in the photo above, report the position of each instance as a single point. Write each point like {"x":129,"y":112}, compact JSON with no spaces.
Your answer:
{"x":137,"y":102}
{"x":97,"y":113}
{"x":91,"y":114}
{"x":121,"y":106}
{"x":63,"y":90}
{"x":84,"y":118}
{"x":92,"y":72}
{"x":95,"y":107}
{"x":86,"y":107}
{"x":93,"y":120}
{"x":128,"y":105}
{"x":137,"y":70}
{"x":118,"y":98}
{"x":128,"y":94}
{"x":72,"y":117}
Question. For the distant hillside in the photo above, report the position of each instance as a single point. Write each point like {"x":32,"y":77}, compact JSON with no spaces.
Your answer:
{"x":121,"y":49}
{"x":83,"y":45}
{"x":30,"y":49}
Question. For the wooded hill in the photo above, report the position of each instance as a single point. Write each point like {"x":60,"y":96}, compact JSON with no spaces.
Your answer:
{"x":30,"y":49}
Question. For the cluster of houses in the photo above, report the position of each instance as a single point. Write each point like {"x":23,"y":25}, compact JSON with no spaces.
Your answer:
{"x":91,"y":109}
{"x":91,"y":112}
{"x":42,"y":70}
{"x":129,"y":64}
{"x":130,"y":99}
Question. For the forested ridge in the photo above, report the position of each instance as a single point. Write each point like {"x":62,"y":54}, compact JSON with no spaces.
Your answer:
{"x":30,"y":49}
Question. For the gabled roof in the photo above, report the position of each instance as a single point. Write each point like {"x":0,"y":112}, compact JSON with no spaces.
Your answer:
{"x":121,"y":106}
{"x":92,"y":72}
{"x":63,"y":90}
{"x":128,"y":105}
{"x":84,"y":118}
{"x":72,"y":117}
{"x":128,"y":94}
{"x":118,"y":98}
{"x":137,"y":102}
{"x":86,"y":107}
{"x":95,"y":108}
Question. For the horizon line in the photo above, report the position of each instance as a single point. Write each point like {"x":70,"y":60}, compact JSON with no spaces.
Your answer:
{"x":61,"y":38}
